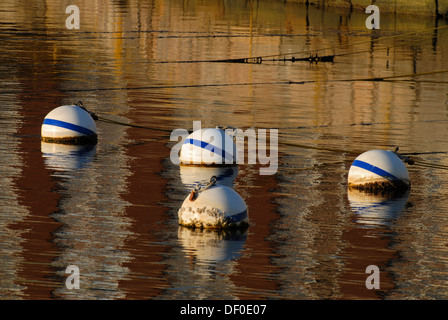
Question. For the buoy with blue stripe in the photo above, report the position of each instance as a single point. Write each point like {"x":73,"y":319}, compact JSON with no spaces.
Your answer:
{"x":210,"y":146}
{"x":214,"y":206}
{"x":69,"y":124}
{"x":378,"y":171}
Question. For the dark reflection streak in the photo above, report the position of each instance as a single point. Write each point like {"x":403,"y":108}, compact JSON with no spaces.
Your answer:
{"x":156,"y":87}
{"x":434,"y":37}
{"x":158,"y":37}
{"x":207,"y":85}
{"x":44,"y":32}
{"x":357,"y":124}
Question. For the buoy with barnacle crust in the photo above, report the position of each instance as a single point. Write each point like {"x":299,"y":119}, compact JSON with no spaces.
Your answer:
{"x":210,"y":146}
{"x":69,"y":124}
{"x":214,"y":206}
{"x":378,"y":171}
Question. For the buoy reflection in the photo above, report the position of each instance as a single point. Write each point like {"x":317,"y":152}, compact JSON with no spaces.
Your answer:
{"x":377,"y":209}
{"x":63,"y":157}
{"x":212,"y":245}
{"x":192,"y":175}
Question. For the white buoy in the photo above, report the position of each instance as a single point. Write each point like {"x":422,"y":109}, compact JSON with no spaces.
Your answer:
{"x":69,"y":124}
{"x":210,"y":146}
{"x":213,"y":207}
{"x":378,"y":171}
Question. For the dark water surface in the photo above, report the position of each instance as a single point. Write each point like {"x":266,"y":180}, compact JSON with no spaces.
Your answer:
{"x":112,"y":209}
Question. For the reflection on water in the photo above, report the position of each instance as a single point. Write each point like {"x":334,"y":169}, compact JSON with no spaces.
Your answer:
{"x":376,"y":209}
{"x":210,"y":258}
{"x":11,"y":212}
{"x":111,"y":209}
{"x":204,"y":264}
{"x":193,"y":175}
{"x":67,"y":157}
{"x":215,"y":246}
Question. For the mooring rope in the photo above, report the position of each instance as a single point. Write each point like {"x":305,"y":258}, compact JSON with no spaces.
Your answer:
{"x":106,"y":120}
{"x":178,"y":86}
{"x":312,"y":54}
{"x":405,"y":157}
{"x":307,"y":146}
{"x":385,"y":47}
{"x":330,"y":57}
{"x":286,"y":82}
{"x":384,"y":78}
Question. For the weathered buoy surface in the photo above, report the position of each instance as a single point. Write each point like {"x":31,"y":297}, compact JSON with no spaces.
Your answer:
{"x":213,"y":207}
{"x":378,"y":171}
{"x":69,"y":124}
{"x":210,"y":146}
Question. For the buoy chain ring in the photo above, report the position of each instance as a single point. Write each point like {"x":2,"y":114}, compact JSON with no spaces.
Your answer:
{"x":405,"y":159}
{"x":93,"y":115}
{"x":199,"y":188}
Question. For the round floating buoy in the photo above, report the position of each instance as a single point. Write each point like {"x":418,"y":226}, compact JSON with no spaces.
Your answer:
{"x":69,"y":124}
{"x":214,"y":207}
{"x":378,"y":171}
{"x":211,"y":146}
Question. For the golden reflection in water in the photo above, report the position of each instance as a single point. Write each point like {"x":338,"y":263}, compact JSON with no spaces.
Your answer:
{"x":114,"y":215}
{"x":205,"y":264}
{"x":11,"y":212}
{"x":94,"y":228}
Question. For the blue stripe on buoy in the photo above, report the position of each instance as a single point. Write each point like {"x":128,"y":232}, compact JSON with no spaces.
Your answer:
{"x":376,"y":170}
{"x":68,"y":125}
{"x":212,"y":148}
{"x":237,"y":217}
